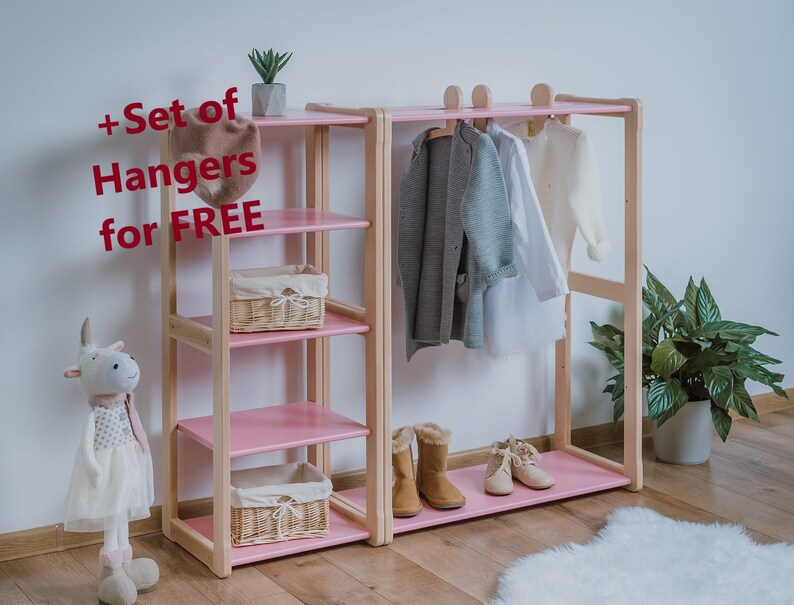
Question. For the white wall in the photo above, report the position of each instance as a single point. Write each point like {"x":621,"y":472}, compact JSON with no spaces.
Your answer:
{"x":715,"y":79}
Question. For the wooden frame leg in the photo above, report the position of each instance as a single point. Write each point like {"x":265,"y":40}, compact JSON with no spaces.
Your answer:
{"x":318,"y":351}
{"x":632,"y":426}
{"x":377,"y":270}
{"x":221,"y":463}
{"x":385,"y":221}
{"x":170,"y":506}
{"x":562,"y":384}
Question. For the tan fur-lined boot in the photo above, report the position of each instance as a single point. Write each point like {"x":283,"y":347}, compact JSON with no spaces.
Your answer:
{"x":431,"y":469}
{"x":405,"y":500}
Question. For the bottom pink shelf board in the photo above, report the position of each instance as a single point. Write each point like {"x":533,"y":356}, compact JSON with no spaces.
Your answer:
{"x":573,"y":476}
{"x":342,"y":531}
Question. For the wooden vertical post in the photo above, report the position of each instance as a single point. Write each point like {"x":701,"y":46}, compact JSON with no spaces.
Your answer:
{"x":632,"y":426}
{"x":318,"y":350}
{"x":377,"y":276}
{"x":562,"y":384}
{"x":543,"y":94}
{"x":170,"y":506}
{"x":222,"y":548}
{"x":385,"y":221}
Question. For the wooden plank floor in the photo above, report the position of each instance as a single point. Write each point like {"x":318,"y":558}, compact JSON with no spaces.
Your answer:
{"x":749,"y":480}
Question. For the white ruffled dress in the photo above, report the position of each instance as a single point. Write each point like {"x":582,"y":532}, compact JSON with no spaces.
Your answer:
{"x":125,"y":490}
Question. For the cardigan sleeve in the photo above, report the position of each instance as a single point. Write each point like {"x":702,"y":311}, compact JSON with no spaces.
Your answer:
{"x":584,"y":193}
{"x":486,"y":215}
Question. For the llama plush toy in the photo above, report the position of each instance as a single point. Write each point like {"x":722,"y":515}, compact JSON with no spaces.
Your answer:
{"x":112,"y":477}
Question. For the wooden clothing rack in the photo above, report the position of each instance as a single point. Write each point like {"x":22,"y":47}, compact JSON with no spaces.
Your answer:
{"x":365,"y":513}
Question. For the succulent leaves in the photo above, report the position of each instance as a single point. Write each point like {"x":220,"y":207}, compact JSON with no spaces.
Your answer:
{"x":268,"y":64}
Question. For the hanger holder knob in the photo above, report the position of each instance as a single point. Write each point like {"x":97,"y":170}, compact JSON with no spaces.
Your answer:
{"x":453,"y":97}
{"x":543,"y":95}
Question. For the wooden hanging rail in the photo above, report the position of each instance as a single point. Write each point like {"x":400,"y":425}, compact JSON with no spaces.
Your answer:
{"x":503,"y":110}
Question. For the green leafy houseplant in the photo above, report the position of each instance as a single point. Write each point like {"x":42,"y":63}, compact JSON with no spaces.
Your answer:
{"x":689,"y":353}
{"x":268,"y":64}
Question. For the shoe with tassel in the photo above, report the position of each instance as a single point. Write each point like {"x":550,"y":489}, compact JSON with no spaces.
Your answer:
{"x":528,"y":472}
{"x":498,"y":473}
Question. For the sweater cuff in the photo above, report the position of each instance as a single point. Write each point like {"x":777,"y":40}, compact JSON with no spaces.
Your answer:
{"x":500,"y":274}
{"x":599,"y":251}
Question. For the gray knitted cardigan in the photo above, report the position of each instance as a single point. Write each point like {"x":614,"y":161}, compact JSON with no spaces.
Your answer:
{"x":455,"y":237}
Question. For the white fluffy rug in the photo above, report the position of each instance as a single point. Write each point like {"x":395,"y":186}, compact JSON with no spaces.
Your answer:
{"x":643,"y":558}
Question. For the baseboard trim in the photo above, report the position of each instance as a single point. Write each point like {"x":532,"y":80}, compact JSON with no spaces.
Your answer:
{"x":766,"y":403}
{"x":53,"y":538}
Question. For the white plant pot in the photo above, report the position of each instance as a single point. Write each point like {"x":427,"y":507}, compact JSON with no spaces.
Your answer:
{"x":686,"y":437}
{"x":269,"y":99}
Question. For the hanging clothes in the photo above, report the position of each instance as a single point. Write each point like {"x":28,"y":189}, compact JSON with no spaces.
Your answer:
{"x":564,"y":171}
{"x":455,"y":237}
{"x":520,"y":313}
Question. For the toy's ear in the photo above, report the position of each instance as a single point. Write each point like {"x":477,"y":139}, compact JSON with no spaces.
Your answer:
{"x":117,"y":346}
{"x":72,"y":372}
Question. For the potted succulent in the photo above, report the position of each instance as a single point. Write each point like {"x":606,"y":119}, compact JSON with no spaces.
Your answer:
{"x":694,"y":365}
{"x":269,"y":98}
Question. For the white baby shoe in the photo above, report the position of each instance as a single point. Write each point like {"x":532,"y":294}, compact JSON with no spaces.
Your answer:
{"x":526,"y":470}
{"x":498,"y":477}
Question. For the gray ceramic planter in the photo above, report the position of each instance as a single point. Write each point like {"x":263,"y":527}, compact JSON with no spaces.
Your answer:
{"x":686,"y":437}
{"x":269,"y":99}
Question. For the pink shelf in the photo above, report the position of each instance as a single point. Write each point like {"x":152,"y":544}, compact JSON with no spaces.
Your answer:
{"x":573,"y":475}
{"x":500,"y":110}
{"x":335,"y":325}
{"x":277,"y":427}
{"x":301,"y":117}
{"x":342,"y":530}
{"x":285,"y":221}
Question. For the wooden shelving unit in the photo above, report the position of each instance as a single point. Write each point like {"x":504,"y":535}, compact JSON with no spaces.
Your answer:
{"x":365,"y":513}
{"x":311,"y":424}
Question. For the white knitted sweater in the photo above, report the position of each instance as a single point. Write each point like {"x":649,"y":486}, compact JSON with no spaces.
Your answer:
{"x":564,"y":172}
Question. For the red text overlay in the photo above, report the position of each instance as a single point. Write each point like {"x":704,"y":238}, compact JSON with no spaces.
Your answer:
{"x":234,"y":218}
{"x":184,"y":175}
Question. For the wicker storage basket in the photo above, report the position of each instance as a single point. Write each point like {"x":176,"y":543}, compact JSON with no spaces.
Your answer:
{"x":291,"y":297}
{"x":277,"y":503}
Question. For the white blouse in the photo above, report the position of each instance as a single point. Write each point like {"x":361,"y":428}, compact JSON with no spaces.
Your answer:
{"x":524,"y":313}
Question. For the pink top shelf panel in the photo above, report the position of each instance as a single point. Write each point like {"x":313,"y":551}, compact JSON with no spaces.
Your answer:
{"x":277,"y":427}
{"x":301,"y":117}
{"x":335,"y":325}
{"x":573,"y":476}
{"x":500,"y":110}
{"x":341,"y":530}
{"x":286,"y":221}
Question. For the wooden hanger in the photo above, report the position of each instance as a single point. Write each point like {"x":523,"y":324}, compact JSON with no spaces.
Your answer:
{"x":481,"y":98}
{"x":542,"y":95}
{"x":453,"y":99}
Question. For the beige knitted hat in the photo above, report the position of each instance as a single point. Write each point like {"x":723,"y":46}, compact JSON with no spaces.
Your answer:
{"x":198,"y":140}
